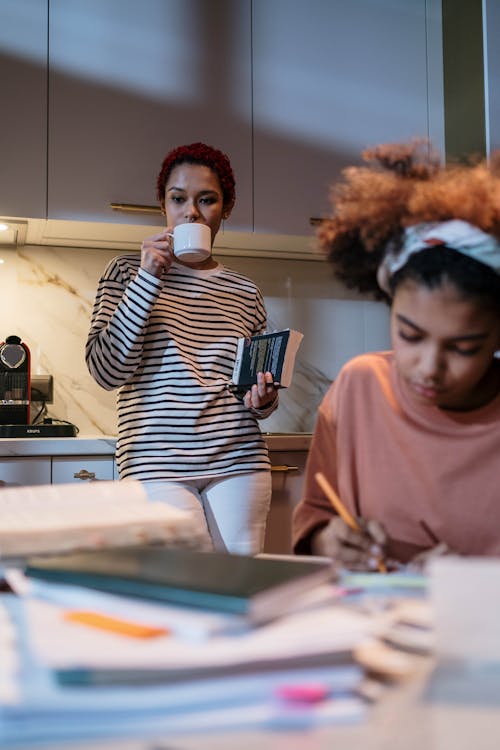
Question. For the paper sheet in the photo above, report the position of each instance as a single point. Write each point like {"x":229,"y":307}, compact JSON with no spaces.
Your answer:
{"x":323,"y":631}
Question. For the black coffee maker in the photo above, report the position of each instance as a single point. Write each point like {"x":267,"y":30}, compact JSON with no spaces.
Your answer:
{"x":15,"y":380}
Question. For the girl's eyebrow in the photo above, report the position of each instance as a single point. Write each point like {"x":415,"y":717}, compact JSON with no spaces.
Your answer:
{"x":467,"y":337}
{"x":408,"y":322}
{"x":182,"y":190}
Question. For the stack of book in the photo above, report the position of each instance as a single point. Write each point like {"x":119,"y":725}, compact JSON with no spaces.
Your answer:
{"x":121,"y":626}
{"x":141,"y":641}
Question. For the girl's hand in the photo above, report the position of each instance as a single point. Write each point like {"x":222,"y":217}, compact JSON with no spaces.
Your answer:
{"x":262,"y":393}
{"x":353,"y":550}
{"x":157,"y":254}
{"x":421,"y":561}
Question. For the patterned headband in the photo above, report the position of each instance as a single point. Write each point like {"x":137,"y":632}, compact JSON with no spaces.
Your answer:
{"x":456,"y":234}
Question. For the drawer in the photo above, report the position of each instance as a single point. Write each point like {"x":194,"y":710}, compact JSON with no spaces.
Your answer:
{"x":67,"y":469}
{"x":24,"y":471}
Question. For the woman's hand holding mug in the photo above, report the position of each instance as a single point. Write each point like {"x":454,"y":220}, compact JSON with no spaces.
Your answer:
{"x":157,"y":254}
{"x":190,"y":243}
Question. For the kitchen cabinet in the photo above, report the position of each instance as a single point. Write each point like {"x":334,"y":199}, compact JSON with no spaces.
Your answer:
{"x":491,"y":10}
{"x":292,"y":91}
{"x":34,"y":461}
{"x":130,"y":80}
{"x":23,"y":141}
{"x":56,"y":469}
{"x":25,"y":471}
{"x":329,"y":79}
{"x":287,"y":472}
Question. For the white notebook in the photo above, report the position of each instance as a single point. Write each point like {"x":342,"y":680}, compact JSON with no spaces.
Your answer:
{"x":55,"y":518}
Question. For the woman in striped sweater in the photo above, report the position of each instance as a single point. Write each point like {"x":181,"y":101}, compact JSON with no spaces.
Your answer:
{"x":164,"y":333}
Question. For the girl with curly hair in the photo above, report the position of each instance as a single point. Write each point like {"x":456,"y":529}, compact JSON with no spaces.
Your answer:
{"x":164,"y":332}
{"x":409,"y":439}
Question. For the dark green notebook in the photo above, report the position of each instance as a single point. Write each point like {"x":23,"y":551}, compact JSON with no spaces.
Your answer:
{"x":258,"y":588}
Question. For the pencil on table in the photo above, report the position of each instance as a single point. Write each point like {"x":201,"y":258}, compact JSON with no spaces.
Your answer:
{"x":342,"y":511}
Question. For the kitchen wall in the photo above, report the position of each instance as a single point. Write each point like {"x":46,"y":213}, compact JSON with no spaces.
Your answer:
{"x":47,"y":298}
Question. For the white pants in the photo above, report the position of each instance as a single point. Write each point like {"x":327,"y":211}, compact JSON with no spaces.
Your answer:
{"x":232,"y":509}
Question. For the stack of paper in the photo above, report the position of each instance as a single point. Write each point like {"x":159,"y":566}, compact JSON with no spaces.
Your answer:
{"x":95,"y":664}
{"x":78,"y":682}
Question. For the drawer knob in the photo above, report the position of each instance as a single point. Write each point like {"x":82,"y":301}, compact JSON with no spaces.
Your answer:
{"x":283,"y":469}
{"x":84,"y":474}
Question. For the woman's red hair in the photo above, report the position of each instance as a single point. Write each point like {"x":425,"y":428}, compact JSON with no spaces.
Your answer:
{"x":200,"y":153}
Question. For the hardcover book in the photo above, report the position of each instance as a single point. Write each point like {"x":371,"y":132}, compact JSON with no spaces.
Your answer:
{"x":257,"y":588}
{"x":268,"y":352}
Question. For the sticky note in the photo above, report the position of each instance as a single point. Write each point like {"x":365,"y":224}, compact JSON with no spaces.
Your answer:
{"x":310,"y":692}
{"x":114,"y":624}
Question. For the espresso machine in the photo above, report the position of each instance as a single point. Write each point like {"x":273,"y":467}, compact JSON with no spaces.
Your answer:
{"x":15,"y":380}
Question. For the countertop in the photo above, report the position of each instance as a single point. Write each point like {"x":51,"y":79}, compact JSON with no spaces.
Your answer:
{"x":104,"y":445}
{"x":84,"y":445}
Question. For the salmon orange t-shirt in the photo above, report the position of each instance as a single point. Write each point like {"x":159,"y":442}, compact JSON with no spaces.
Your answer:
{"x":425,"y":473}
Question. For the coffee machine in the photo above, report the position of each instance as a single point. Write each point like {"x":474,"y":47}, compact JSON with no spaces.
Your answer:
{"x":15,"y":377}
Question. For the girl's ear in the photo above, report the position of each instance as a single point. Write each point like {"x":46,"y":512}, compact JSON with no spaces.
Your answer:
{"x":162,"y":206}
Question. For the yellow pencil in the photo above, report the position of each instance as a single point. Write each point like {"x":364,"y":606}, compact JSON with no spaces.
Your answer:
{"x":339,"y":506}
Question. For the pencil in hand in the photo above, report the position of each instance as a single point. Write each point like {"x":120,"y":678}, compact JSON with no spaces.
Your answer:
{"x":342,"y":511}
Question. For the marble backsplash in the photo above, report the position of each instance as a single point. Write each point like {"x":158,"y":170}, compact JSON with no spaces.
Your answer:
{"x":47,"y":299}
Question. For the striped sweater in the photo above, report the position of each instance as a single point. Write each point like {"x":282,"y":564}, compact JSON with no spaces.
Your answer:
{"x":169,"y":346}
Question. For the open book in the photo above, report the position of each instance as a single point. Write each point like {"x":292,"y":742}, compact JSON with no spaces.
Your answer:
{"x":268,"y":352}
{"x":68,"y":517}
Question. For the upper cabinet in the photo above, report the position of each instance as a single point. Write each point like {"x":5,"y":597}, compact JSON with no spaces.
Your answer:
{"x":291,"y":90}
{"x":491,"y":10}
{"x":329,"y":79}
{"x":128,"y":81}
{"x":23,"y":119}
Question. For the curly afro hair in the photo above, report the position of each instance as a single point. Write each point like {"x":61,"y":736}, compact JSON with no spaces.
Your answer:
{"x":404,"y":184}
{"x":200,"y":153}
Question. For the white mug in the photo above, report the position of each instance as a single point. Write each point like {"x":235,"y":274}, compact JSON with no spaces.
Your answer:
{"x":192,"y":242}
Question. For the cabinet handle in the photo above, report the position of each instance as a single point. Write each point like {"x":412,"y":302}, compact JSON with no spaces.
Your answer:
{"x":283,"y":469}
{"x":135,"y":208}
{"x":84,"y":474}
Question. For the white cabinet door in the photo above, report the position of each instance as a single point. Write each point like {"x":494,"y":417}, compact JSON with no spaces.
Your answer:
{"x":287,"y":471}
{"x":330,"y":78}
{"x":24,"y":471}
{"x":131,"y":80}
{"x":492,"y":79}
{"x":67,"y":469}
{"x":23,"y":140}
